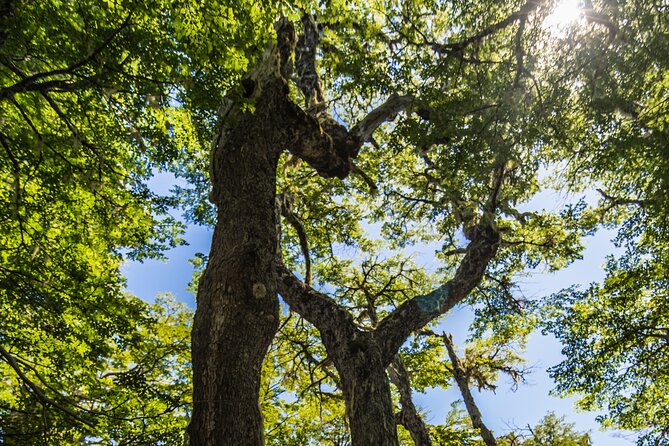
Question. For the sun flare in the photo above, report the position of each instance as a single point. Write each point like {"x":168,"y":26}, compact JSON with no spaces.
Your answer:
{"x":565,"y":15}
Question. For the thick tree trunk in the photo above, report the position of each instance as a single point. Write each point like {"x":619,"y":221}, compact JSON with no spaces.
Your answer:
{"x":366,"y":390}
{"x":369,"y":407}
{"x":237,"y":306}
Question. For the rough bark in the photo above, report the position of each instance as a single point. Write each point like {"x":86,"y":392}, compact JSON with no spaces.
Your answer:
{"x":462,"y":380}
{"x":408,"y":416}
{"x":367,"y":396}
{"x":237,"y":306}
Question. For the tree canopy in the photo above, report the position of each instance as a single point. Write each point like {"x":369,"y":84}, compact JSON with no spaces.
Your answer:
{"x":324,"y":141}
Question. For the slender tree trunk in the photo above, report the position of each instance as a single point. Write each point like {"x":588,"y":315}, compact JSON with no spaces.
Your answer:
{"x":462,"y":380}
{"x":408,"y":416}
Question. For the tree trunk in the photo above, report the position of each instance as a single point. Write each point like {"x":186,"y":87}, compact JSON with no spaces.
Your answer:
{"x":367,"y":395}
{"x":369,"y":407}
{"x":237,"y":306}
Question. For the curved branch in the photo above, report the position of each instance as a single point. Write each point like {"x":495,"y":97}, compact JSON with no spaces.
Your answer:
{"x":521,"y":14}
{"x":290,"y":216}
{"x":44,"y":399}
{"x":328,"y":147}
{"x":316,"y":307}
{"x":414,"y":314}
{"x":362,"y":131}
{"x":619,"y":201}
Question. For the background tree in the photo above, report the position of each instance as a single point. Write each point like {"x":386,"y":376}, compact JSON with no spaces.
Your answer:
{"x":550,"y":431}
{"x":137,"y":392}
{"x":615,"y":332}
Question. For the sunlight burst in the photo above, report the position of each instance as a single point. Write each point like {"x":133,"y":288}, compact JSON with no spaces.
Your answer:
{"x":565,"y":15}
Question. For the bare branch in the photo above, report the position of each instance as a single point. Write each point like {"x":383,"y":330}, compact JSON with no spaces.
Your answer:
{"x":519,"y":53}
{"x":306,"y":77}
{"x":328,"y":147}
{"x":362,"y":131}
{"x":594,"y":16}
{"x":373,"y":188}
{"x":461,"y":379}
{"x":455,"y":252}
{"x":289,"y":215}
{"x":521,"y":14}
{"x":618,"y":201}
{"x":409,"y":416}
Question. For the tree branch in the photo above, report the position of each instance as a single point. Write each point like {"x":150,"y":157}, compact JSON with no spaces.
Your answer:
{"x":316,"y":307}
{"x":461,"y":379}
{"x":409,"y":416}
{"x":601,"y":19}
{"x":618,"y":201}
{"x":44,"y":399}
{"x":328,"y":147}
{"x":520,"y":69}
{"x":289,"y":215}
{"x":521,"y":14}
{"x":362,"y":131}
{"x":306,"y":77}
{"x":417,"y":312}
{"x":317,"y":138}
{"x":29,"y":83}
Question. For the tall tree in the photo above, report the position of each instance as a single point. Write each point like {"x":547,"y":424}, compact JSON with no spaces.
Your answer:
{"x":498,"y":103}
{"x":429,"y":121}
{"x":93,"y":101}
{"x":485,"y":105}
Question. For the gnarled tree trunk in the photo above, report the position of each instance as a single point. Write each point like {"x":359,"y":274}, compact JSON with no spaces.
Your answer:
{"x":237,"y":306}
{"x":361,"y":357}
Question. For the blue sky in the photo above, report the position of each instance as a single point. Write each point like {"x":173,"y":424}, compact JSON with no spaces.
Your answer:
{"x":502,"y":410}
